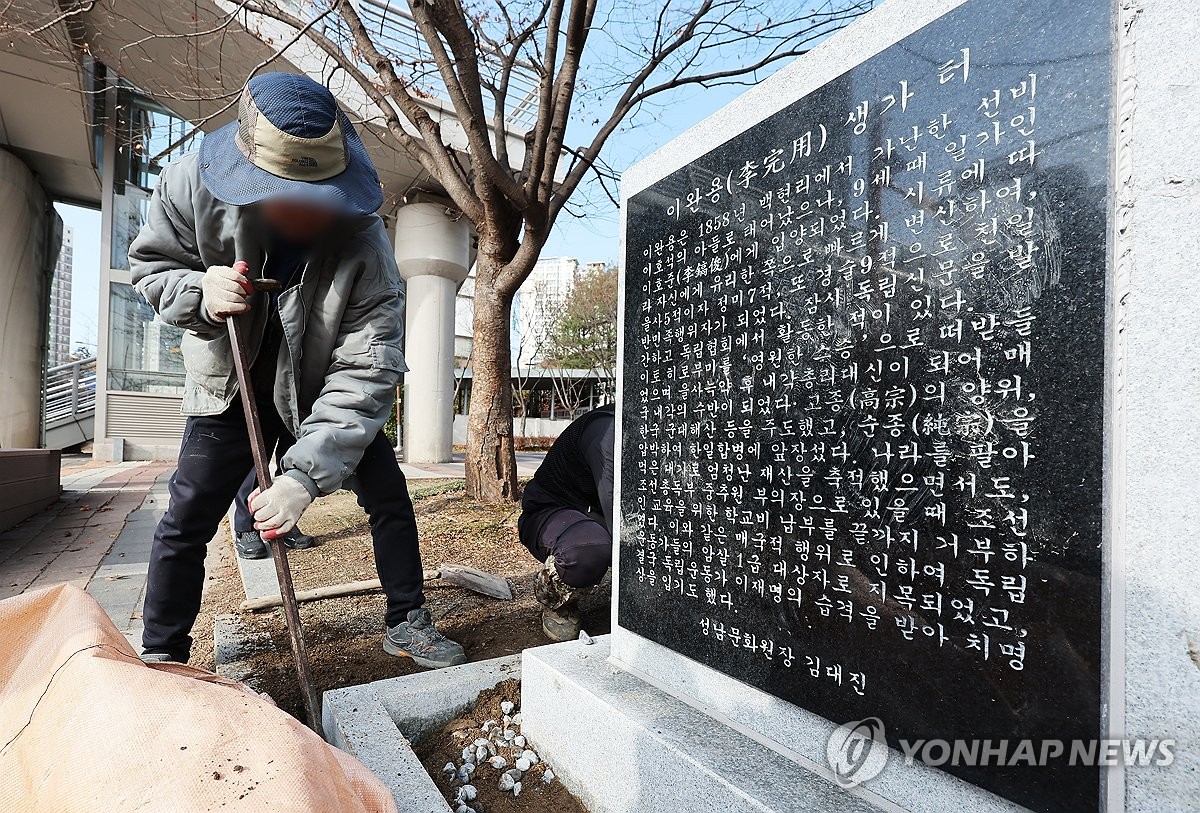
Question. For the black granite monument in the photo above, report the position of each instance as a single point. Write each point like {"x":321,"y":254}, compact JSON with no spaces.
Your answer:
{"x":862,"y":393}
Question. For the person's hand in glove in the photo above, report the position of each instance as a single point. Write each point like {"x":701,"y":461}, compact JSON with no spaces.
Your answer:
{"x":225,"y":291}
{"x":278,"y":509}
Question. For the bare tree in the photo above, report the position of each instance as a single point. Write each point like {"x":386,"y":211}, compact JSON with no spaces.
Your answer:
{"x":597,"y":67}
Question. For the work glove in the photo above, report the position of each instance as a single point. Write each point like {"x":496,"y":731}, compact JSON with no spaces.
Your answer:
{"x":278,"y":509}
{"x":225,"y":291}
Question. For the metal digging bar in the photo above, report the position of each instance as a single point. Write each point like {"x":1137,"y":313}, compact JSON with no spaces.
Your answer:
{"x":262,"y":468}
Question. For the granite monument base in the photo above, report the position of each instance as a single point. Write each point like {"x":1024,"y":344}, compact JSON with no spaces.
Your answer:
{"x":625,"y":746}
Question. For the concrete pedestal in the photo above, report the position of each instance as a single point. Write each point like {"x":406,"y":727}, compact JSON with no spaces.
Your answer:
{"x":433,"y":245}
{"x":378,"y":723}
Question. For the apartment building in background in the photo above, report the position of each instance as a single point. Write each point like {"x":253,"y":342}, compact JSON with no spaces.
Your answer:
{"x":59,"y":346}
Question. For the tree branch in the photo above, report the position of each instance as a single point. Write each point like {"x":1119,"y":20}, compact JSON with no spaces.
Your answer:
{"x":429,"y":150}
{"x":460,"y":75}
{"x":578,"y":25}
{"x":635,"y":93}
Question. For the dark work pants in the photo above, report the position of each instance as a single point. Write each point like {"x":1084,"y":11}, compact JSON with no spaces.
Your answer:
{"x":213,"y":462}
{"x":581,"y":546}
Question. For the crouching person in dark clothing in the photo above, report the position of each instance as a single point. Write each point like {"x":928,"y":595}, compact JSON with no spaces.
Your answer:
{"x":567,"y":519}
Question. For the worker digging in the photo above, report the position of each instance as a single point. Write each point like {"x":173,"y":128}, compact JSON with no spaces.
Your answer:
{"x":285,"y":193}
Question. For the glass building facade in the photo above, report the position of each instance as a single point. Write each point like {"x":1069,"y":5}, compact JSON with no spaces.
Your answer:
{"x":143,"y":374}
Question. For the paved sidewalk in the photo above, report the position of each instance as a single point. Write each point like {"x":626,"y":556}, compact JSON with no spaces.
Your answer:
{"x":97,"y":536}
{"x":527,"y":464}
{"x":119,"y":583}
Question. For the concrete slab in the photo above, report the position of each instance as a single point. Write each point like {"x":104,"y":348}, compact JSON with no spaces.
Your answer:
{"x":357,"y":723}
{"x":258,"y":577}
{"x":234,"y":644}
{"x":378,"y":723}
{"x":428,"y":700}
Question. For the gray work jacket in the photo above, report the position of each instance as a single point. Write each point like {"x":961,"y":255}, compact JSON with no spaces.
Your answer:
{"x":343,"y":322}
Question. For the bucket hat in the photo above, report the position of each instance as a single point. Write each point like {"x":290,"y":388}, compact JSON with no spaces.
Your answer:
{"x":291,"y":141}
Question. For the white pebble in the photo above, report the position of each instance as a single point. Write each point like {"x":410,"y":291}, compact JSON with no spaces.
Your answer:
{"x":464,"y":773}
{"x":509,"y":734}
{"x":523,"y":764}
{"x":506,"y":782}
{"x":516,"y":789}
{"x":450,"y":770}
{"x":519,"y":741}
{"x":480,"y":741}
{"x":531,"y":756}
{"x":516,"y":718}
{"x":548,"y":776}
{"x":515,"y":773}
{"x":498,"y":762}
{"x":484,"y":728}
{"x":467,"y":793}
{"x":462,"y":809}
{"x":585,"y":638}
{"x":507,"y":707}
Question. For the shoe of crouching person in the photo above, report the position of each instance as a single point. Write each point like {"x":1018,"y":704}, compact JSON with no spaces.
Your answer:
{"x":561,"y":619}
{"x":250,"y":544}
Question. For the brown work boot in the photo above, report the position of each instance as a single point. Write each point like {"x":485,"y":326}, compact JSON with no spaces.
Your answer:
{"x":561,"y":625}
{"x":560,"y":602}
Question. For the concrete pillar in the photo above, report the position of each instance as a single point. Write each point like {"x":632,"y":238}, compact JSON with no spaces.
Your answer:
{"x":433,"y":247}
{"x":24,"y":299}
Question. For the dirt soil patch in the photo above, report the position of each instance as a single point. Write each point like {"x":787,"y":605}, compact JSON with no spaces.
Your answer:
{"x":345,"y":634}
{"x":487,"y":722}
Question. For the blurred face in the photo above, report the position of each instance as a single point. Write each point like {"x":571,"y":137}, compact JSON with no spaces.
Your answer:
{"x":298,"y":222}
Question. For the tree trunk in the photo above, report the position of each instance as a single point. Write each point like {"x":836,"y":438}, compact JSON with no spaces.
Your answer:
{"x":491,"y":466}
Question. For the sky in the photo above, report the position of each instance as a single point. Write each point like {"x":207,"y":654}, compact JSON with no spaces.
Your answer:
{"x":595,"y":235}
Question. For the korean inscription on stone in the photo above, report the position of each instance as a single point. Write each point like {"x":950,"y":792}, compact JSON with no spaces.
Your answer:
{"x":863,"y":359}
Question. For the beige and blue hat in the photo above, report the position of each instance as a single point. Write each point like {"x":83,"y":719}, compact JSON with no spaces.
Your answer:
{"x":290,"y":141}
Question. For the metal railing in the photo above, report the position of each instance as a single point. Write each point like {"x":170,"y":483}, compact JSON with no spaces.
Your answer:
{"x":396,"y":35}
{"x":69,"y":393}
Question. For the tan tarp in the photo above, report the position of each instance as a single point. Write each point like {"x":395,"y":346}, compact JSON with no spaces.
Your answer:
{"x":86,"y":726}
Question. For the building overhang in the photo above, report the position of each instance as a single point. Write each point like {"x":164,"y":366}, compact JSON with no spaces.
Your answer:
{"x":212,"y":47}
{"x":46,"y":110}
